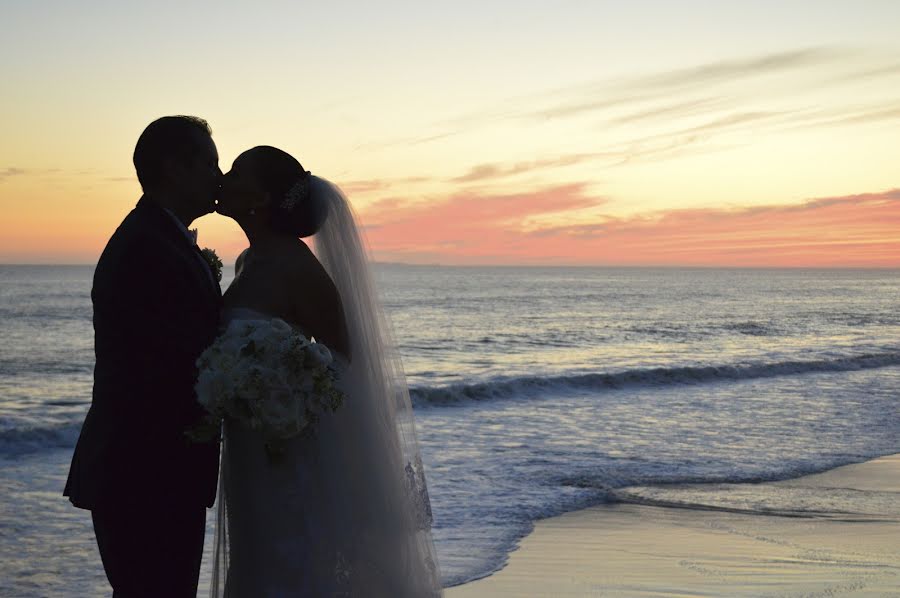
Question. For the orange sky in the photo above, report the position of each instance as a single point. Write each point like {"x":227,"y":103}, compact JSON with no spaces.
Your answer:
{"x":768,"y":138}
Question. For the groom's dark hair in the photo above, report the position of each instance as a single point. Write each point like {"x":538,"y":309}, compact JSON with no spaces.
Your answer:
{"x":165,"y":138}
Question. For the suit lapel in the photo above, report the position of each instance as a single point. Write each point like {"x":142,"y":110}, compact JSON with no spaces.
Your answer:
{"x":162,"y":222}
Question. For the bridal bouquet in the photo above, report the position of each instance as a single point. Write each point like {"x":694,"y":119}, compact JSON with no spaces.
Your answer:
{"x":268,"y":376}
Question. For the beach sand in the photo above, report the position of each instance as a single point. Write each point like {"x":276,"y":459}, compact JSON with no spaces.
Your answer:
{"x":635,"y":550}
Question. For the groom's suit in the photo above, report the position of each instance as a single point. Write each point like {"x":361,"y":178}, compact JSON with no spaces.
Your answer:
{"x":156,"y":308}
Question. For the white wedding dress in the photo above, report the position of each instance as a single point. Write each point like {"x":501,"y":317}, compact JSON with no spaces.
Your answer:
{"x":344,"y":511}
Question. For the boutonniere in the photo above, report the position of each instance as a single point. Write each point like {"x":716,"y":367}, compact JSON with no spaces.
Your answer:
{"x":215,"y":264}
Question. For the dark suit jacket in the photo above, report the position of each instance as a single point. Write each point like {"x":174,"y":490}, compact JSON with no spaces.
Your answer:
{"x":156,"y":308}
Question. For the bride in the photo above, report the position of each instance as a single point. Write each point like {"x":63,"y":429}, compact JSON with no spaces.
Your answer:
{"x":343,"y":511}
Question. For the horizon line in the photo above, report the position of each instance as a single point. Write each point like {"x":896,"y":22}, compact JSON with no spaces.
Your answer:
{"x":582,"y":266}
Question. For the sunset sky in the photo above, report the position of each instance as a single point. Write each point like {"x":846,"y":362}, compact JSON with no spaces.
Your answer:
{"x":707,"y":133}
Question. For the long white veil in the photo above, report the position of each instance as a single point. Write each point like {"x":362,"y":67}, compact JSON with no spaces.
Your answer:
{"x":393,"y":476}
{"x":364,"y":485}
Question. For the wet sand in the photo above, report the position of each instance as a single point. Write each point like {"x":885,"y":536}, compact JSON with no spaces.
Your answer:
{"x":637,"y":551}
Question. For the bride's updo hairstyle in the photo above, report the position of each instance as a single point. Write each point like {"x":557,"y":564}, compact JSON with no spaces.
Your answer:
{"x":296,"y":208}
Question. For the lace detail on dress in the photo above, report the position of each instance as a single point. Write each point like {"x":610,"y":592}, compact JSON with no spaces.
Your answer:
{"x":418,"y":492}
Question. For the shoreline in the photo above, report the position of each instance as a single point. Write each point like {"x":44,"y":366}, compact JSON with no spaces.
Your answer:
{"x":639,"y":550}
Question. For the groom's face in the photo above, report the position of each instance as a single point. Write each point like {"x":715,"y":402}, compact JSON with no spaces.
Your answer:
{"x":201,"y":177}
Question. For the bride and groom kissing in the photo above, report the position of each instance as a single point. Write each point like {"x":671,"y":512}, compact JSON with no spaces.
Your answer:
{"x":343,"y":510}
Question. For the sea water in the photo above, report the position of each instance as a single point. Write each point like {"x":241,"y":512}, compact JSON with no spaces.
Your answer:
{"x":537,"y":391}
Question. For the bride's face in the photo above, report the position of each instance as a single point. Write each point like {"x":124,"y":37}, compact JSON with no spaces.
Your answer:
{"x":241,"y":192}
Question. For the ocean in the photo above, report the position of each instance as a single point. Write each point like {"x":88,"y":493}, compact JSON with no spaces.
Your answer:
{"x":537,"y":391}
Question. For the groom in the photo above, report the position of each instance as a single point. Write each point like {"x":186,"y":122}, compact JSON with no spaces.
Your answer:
{"x":156,"y":308}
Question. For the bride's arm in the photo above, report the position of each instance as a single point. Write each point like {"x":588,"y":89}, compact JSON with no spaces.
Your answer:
{"x":317,"y":304}
{"x":239,"y":263}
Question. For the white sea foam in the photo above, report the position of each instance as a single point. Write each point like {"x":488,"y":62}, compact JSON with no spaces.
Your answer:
{"x":21,"y":441}
{"x":536,"y":386}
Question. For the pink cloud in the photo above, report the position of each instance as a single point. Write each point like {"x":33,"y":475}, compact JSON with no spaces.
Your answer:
{"x":857,"y":230}
{"x":466,"y":224}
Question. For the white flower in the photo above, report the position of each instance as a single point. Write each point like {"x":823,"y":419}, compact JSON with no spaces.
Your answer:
{"x":235,"y":329}
{"x":229,"y":347}
{"x":205,"y":394}
{"x":212,"y":385}
{"x":320,"y":354}
{"x":281,"y":327}
{"x":260,"y":337}
{"x":265,"y":374}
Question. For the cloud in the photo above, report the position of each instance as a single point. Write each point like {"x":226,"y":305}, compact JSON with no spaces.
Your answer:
{"x":681,"y":112}
{"x":857,"y":230}
{"x":890,"y":112}
{"x":870,"y":73}
{"x":852,"y":231}
{"x":661,"y":146}
{"x":483,"y":172}
{"x":728,"y":122}
{"x":698,"y":90}
{"x":604,"y":95}
{"x":465,"y":221}
{"x":690,"y":140}
{"x":729,"y":70}
{"x":361,"y":187}
{"x":367,"y":186}
{"x":414,"y":140}
{"x":687,"y":108}
{"x":56,"y":174}
{"x":9,"y":172}
{"x":579,"y":107}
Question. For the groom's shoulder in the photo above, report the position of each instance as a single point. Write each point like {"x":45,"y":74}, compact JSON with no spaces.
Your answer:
{"x":134,"y":242}
{"x":134,"y":233}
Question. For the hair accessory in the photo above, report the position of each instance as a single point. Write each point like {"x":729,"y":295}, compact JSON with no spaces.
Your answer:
{"x":296,"y":193}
